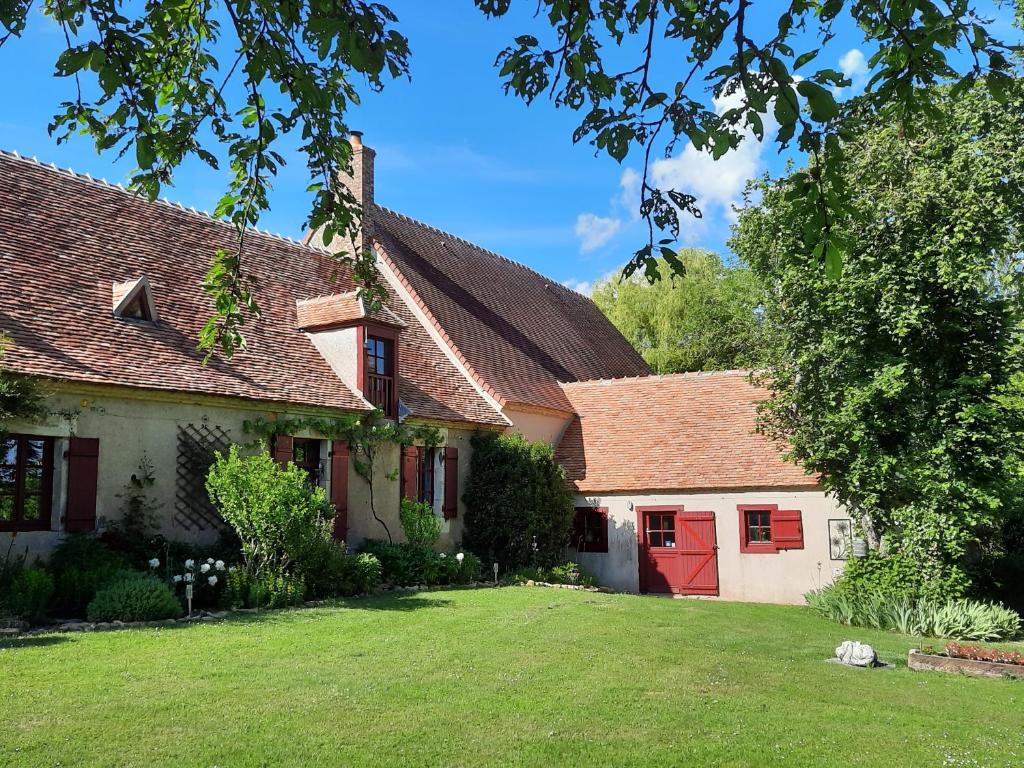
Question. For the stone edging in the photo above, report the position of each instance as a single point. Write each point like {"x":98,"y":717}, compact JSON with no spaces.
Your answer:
{"x":926,"y":661}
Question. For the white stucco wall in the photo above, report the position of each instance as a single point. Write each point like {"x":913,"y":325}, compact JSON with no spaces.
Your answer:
{"x":130,"y":424}
{"x":782,"y":577}
{"x":537,"y":426}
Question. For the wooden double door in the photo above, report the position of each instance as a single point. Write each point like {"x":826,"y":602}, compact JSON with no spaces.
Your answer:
{"x":678,"y":551}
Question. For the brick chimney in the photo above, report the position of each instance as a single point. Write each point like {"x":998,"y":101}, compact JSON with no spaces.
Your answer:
{"x":360,"y":183}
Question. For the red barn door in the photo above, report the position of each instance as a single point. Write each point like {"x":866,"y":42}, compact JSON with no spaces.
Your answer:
{"x":678,"y":553}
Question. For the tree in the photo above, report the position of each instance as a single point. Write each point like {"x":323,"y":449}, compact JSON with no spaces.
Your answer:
{"x":894,"y":379}
{"x":704,"y":320}
{"x":183,"y":78}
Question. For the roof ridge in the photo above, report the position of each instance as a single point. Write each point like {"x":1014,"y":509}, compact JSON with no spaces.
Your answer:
{"x":550,"y":280}
{"x":660,"y":377}
{"x":206,"y":215}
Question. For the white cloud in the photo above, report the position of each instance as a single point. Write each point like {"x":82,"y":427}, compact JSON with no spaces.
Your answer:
{"x":580,"y":286}
{"x":594,"y":231}
{"x":855,"y":67}
{"x":717,"y":184}
{"x":629,"y":194}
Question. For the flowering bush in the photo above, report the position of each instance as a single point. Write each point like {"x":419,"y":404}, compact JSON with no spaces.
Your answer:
{"x":407,"y":564}
{"x":204,"y":580}
{"x":977,"y":653}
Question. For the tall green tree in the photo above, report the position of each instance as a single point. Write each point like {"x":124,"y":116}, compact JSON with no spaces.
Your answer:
{"x":165,"y":80}
{"x":892,"y":378}
{"x":707,"y":319}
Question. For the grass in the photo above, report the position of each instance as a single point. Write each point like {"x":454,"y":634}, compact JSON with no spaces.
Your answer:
{"x":515,"y":676}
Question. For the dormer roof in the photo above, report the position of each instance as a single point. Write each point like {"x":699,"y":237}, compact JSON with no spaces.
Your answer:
{"x":133,"y":300}
{"x":341,"y":310}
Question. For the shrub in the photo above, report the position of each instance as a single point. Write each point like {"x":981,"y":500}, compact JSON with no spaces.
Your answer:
{"x":81,"y":566}
{"x":960,"y":619}
{"x":518,"y":507}
{"x":29,"y":594}
{"x":999,"y":656}
{"x":134,"y":596}
{"x":265,"y":590}
{"x":329,"y":571}
{"x":419,"y":522}
{"x":566,"y":573}
{"x":406,"y":564}
{"x":278,"y":516}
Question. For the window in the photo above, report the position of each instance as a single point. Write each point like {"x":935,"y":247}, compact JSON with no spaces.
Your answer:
{"x":766,"y":529}
{"x":759,"y":526}
{"x":26,"y":482}
{"x":379,"y":377}
{"x":306,"y":456}
{"x":661,"y":530}
{"x":590,"y":529}
{"x":426,"y":458}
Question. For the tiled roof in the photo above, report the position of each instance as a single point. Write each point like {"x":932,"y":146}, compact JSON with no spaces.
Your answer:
{"x":686,"y":432}
{"x":339,"y":310}
{"x":65,"y":240}
{"x":518,"y":333}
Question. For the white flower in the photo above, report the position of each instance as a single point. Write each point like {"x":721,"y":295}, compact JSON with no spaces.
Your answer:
{"x":154,"y":563}
{"x":204,"y":567}
{"x":443,"y":555}
{"x":190,"y":563}
{"x":219,"y":565}
{"x":212,"y":581}
{"x":188,"y":578}
{"x":460,"y":557}
{"x":209,"y":560}
{"x":177,"y":579}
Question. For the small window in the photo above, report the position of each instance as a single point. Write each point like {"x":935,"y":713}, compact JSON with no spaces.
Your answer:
{"x":379,"y":376}
{"x":134,"y":301}
{"x":26,"y":482}
{"x":590,"y":529}
{"x":378,"y":354}
{"x":306,"y":456}
{"x":661,"y":530}
{"x":426,"y":458}
{"x":759,"y":526}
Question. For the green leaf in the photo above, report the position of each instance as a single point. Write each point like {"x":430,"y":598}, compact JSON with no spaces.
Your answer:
{"x":833,"y":261}
{"x":821,"y":102}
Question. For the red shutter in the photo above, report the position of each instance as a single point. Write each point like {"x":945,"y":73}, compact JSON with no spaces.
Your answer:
{"x":283,"y":449}
{"x":83,"y":474}
{"x":787,"y":529}
{"x":410,"y":472}
{"x":339,"y":487}
{"x":451,"y":483}
{"x":577,"y":528}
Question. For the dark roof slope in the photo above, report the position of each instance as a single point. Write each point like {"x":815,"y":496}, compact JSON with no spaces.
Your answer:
{"x":519,"y":332}
{"x":686,"y":432}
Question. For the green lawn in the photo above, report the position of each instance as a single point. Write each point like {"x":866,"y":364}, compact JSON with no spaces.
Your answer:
{"x":513,"y":676}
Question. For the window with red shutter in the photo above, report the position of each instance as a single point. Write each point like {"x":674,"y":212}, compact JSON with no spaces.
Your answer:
{"x":283,"y":449}
{"x":339,"y":488}
{"x":83,"y":475}
{"x":26,"y":482}
{"x":451,"y":483}
{"x":765,"y":529}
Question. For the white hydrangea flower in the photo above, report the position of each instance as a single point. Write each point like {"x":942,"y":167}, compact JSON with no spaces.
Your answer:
{"x":190,"y":563}
{"x":205,"y":567}
{"x":443,"y":555}
{"x":209,"y":560}
{"x":212,"y":581}
{"x":177,"y":579}
{"x":219,"y":565}
{"x":460,"y":557}
{"x":154,"y":563}
{"x":188,"y":578}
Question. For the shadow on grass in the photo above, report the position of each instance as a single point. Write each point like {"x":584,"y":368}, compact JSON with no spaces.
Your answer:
{"x":407,"y":602}
{"x":33,"y":641}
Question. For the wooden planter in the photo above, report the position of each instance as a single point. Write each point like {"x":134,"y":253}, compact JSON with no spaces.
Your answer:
{"x":918,"y":660}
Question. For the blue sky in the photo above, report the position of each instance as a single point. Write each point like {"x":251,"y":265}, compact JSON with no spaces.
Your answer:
{"x":452,"y":149}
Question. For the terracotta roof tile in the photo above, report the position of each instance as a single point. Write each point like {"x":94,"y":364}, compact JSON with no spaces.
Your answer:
{"x":665,"y":433}
{"x":339,"y":310}
{"x":517,"y":331}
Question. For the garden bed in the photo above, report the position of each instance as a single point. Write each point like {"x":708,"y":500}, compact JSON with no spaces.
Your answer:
{"x":973,"y":667}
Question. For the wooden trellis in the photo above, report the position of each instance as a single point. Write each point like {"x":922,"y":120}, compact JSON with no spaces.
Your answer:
{"x":198,"y":445}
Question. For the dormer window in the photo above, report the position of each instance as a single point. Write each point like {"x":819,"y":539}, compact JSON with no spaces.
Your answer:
{"x":133,"y":300}
{"x":379,"y":383}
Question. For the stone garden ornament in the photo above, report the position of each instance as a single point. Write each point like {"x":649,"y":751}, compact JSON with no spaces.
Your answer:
{"x":856,"y":654}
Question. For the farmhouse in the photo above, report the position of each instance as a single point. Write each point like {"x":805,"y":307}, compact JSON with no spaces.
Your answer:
{"x":102,"y":300}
